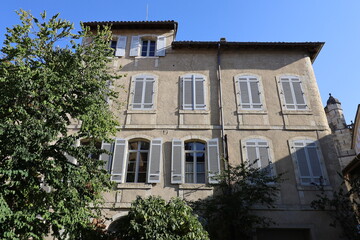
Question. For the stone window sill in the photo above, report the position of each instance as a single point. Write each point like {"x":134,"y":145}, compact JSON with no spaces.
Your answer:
{"x":205,"y":112}
{"x":312,"y":188}
{"x":134,"y":186}
{"x":252,"y":112}
{"x":296,"y":112}
{"x":194,"y":186}
{"x":141,"y":111}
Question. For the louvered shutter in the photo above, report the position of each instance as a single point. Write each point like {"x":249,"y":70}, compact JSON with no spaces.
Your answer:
{"x":120,"y":46}
{"x":119,"y":156}
{"x":213,"y":159}
{"x":187,"y":87}
{"x":265,"y":159}
{"x":177,"y":161}
{"x":160,"y":46}
{"x":138,"y":93}
{"x":106,"y":157}
{"x":288,"y":97}
{"x":299,"y":95}
{"x":314,"y":160}
{"x":134,"y":48}
{"x":149,"y":93}
{"x":252,"y":156}
{"x":255,"y":93}
{"x":155,"y":161}
{"x":305,"y":177}
{"x":199,"y":92}
{"x":244,"y":93}
{"x":70,"y":159}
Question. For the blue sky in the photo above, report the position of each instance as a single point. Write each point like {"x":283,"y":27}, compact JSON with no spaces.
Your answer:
{"x":332,"y":21}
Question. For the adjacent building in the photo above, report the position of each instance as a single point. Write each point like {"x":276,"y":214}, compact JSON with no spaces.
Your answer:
{"x":187,"y":105}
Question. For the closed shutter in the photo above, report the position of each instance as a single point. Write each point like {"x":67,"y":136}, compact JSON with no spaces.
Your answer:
{"x":138,"y":93}
{"x":160,"y":46}
{"x":213,"y":159}
{"x":252,"y":156}
{"x":255,"y":93}
{"x":149,"y":93}
{"x":120,"y":46}
{"x":199,"y":92}
{"x":134,"y":48}
{"x":187,"y":94}
{"x":288,"y":97}
{"x":106,"y":157}
{"x":155,"y":161}
{"x":117,"y":170}
{"x":249,"y":92}
{"x":265,"y":159}
{"x":293,"y":93}
{"x":177,"y":161}
{"x":244,"y":93}
{"x":299,"y":95}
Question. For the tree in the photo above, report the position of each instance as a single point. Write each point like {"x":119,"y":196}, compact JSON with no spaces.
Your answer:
{"x":154,"y":218}
{"x":229,"y":212}
{"x":342,"y":206}
{"x":43,"y":89}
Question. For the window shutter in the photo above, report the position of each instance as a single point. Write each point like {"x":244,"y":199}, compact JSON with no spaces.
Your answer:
{"x":299,"y":96}
{"x":120,"y":46}
{"x":188,"y":101}
{"x":314,"y":160}
{"x":117,"y":170}
{"x":106,"y":157}
{"x":134,"y":48}
{"x":301,"y":158}
{"x":177,"y":161}
{"x":255,"y":94}
{"x":149,"y":92}
{"x":251,"y":156}
{"x":213,"y":159}
{"x":155,"y":161}
{"x":160,"y":46}
{"x":244,"y":94}
{"x":138,"y":93}
{"x":289,"y":101}
{"x":265,"y":159}
{"x":199,"y":93}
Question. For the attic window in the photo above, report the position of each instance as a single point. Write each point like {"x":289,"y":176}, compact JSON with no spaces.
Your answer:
{"x":148,"y":48}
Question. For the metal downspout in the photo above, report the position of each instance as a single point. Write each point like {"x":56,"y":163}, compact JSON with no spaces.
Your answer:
{"x":223,"y":137}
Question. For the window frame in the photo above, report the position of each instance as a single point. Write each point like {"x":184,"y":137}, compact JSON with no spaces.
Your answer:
{"x":284,"y":104}
{"x":138,"y":152}
{"x":193,"y":106}
{"x":149,"y":41}
{"x":195,"y":172}
{"x":153,"y":103}
{"x":306,"y":142}
{"x":249,"y":77}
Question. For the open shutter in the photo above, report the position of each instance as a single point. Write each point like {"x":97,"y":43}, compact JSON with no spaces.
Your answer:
{"x":119,"y":156}
{"x":106,"y":157}
{"x":177,"y":161}
{"x":155,"y":161}
{"x":199,"y":92}
{"x":160,"y":46}
{"x":149,"y":93}
{"x":134,"y":48}
{"x":213,"y":159}
{"x":120,"y":46}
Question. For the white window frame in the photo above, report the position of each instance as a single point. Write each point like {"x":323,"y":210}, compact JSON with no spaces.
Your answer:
{"x":144,"y":78}
{"x":256,"y":141}
{"x":292,"y":79}
{"x":249,"y":78}
{"x":138,"y":152}
{"x":307,"y":144}
{"x":148,"y":47}
{"x":137,"y":42}
{"x":195,"y":172}
{"x":193,"y":80}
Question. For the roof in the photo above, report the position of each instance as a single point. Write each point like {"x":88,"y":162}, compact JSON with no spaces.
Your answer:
{"x":169,"y":24}
{"x":313,"y":48}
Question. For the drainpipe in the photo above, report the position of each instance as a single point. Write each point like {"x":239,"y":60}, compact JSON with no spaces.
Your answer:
{"x":223,"y":136}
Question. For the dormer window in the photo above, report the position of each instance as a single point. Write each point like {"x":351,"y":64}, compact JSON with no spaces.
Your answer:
{"x":148,"y":48}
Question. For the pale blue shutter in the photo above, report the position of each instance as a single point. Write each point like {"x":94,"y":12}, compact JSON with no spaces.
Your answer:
{"x":135,"y":45}
{"x":149,"y":93}
{"x":199,"y":92}
{"x":119,"y":159}
{"x":244,"y":93}
{"x":187,"y":93}
{"x":106,"y":157}
{"x":177,"y":163}
{"x":255,"y":93}
{"x":160,"y":46}
{"x":155,"y":160}
{"x":265,"y":159}
{"x":120,"y":46}
{"x":213,"y":159}
{"x":301,"y":158}
{"x":138,"y":93}
{"x":288,"y":97}
{"x":299,"y":95}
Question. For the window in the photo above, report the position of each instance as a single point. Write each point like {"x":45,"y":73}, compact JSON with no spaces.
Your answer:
{"x":248,"y":92}
{"x":137,"y":161}
{"x":143,"y":92}
{"x":293,"y":95}
{"x":118,"y":44}
{"x":134,"y":161}
{"x":257,"y":153}
{"x":192,"y":161}
{"x":307,"y":158}
{"x":193,"y":92}
{"x":147,"y":46}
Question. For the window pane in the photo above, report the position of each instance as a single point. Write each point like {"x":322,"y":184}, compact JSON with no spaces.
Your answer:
{"x":131,"y":167}
{"x":152,"y":49}
{"x":200,"y":157}
{"x":144,"y":48}
{"x":189,"y":157}
{"x":189,"y":168}
{"x":199,"y":146}
{"x":189,"y":178}
{"x":144,"y":146}
{"x":200,"y":178}
{"x":130,"y":177}
{"x":189,"y":146}
{"x":200,"y":167}
{"x":133,"y":145}
{"x":113,"y":44}
{"x":143,"y":162}
{"x":142,"y":177}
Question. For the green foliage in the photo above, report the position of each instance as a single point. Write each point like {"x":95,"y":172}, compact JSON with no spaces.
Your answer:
{"x":43,"y":88}
{"x":154,"y":218}
{"x":229,"y":213}
{"x":342,"y":207}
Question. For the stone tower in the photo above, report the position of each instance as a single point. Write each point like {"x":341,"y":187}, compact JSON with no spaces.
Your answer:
{"x":341,"y":131}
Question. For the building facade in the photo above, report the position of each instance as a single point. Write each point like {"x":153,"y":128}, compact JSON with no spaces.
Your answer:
{"x":181,"y":98}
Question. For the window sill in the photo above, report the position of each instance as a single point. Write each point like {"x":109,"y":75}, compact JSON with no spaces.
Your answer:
{"x":297,"y":112}
{"x":205,"y":112}
{"x":141,"y":57}
{"x":141,"y":111}
{"x":252,"y":112}
{"x":194,"y":186}
{"x":312,"y":188}
{"x":134,"y":186}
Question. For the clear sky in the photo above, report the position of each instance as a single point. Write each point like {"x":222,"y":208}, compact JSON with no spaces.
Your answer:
{"x":336,"y":22}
